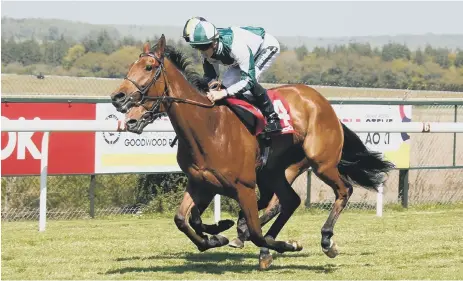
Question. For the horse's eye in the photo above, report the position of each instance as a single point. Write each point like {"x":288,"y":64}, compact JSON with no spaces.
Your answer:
{"x":148,"y":67}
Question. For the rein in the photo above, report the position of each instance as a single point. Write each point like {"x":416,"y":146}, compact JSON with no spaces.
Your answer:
{"x":143,"y":90}
{"x":151,"y":114}
{"x":180,"y":100}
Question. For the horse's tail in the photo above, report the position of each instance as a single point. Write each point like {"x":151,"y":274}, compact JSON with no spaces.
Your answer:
{"x":359,"y":164}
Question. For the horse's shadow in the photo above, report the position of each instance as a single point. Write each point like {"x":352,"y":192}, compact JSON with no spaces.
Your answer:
{"x":216,"y":263}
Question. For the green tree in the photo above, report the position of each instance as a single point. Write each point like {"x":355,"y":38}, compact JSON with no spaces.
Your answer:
{"x":90,"y":44}
{"x":53,"y":52}
{"x":338,"y":49}
{"x":441,"y":57}
{"x":363,"y":49}
{"x":117,"y":64}
{"x":9,"y":51}
{"x":459,"y":59}
{"x":320,"y":52}
{"x":393,"y":51}
{"x":73,"y":53}
{"x":105,"y":43}
{"x":129,"y":41}
{"x":99,"y":43}
{"x":53,"y":33}
{"x":419,"y":57}
{"x":92,"y":62}
{"x":283,"y":47}
{"x":301,"y":52}
{"x":429,"y":51}
{"x":29,"y":52}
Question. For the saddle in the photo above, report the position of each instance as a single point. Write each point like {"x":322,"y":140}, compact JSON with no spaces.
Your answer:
{"x":254,"y":120}
{"x":252,"y":117}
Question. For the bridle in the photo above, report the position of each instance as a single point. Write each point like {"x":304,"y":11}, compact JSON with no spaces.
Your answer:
{"x":143,"y":91}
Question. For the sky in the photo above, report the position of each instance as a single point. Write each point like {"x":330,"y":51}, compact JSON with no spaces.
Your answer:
{"x":300,"y":18}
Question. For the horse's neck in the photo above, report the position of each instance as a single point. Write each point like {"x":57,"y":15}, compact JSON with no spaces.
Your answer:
{"x":193,"y":124}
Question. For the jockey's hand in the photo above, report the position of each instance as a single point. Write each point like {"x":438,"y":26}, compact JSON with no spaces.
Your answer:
{"x":213,"y":95}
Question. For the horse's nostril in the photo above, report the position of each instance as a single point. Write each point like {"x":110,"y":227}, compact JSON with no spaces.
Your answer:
{"x":131,"y":122}
{"x":118,"y":97}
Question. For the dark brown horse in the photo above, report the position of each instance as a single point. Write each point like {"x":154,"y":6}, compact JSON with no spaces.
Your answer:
{"x":220,"y":156}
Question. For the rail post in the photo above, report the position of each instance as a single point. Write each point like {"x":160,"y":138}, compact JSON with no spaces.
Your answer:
{"x":91,"y":195}
{"x":403,"y":187}
{"x":43,"y":182}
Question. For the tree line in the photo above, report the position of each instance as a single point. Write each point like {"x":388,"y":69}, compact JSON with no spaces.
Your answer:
{"x":392,"y":66}
{"x":354,"y":65}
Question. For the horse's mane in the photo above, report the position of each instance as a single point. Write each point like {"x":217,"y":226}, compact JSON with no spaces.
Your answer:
{"x":182,"y":63}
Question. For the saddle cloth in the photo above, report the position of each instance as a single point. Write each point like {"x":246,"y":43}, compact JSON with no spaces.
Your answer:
{"x":252,"y":117}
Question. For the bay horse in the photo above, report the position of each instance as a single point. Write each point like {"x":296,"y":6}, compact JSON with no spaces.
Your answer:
{"x":219,"y":154}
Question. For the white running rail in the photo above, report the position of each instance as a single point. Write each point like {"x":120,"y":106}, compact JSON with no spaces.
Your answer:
{"x":48,"y":126}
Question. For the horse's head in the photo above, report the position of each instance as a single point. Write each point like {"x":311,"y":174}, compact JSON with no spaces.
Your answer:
{"x":144,"y":88}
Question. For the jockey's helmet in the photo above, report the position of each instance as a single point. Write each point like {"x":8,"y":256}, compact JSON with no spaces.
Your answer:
{"x":198,"y":31}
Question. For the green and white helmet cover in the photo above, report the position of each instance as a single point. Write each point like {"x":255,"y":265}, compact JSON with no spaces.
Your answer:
{"x":200,"y":31}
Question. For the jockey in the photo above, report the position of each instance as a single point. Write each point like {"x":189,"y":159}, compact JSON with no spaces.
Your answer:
{"x":248,"y":51}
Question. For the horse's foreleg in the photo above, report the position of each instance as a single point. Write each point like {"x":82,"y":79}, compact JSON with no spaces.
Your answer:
{"x":292,"y":201}
{"x":343,"y":191}
{"x":201,"y":241}
{"x":268,"y":199}
{"x":291,"y":173}
{"x":247,"y":199}
{"x":272,"y":208}
{"x":197,"y":223}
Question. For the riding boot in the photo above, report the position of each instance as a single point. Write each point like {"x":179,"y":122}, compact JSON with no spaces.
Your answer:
{"x":266,"y":106}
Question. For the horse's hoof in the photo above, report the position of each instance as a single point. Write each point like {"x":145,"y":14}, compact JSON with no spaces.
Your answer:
{"x":217,"y":241}
{"x":332,"y":251}
{"x":265,"y":259}
{"x":236,"y":243}
{"x":203,"y":248}
{"x":296,"y":245}
{"x":225,"y":225}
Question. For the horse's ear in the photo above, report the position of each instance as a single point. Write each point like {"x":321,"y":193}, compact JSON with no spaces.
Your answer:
{"x":161,"y":46}
{"x":146,"y":48}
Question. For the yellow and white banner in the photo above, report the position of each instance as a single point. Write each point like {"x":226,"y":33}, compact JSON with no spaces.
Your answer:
{"x":125,"y":152}
{"x":150,"y":152}
{"x":394,"y":146}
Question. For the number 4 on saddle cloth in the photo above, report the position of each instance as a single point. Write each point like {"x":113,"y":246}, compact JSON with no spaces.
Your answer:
{"x":252,"y":117}
{"x":255,"y":121}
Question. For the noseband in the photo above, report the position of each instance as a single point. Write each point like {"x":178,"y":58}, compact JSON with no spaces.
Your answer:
{"x":151,"y":113}
{"x":143,"y":90}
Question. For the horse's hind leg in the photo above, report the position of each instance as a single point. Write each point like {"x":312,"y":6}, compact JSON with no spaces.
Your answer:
{"x":193,"y":196}
{"x":343,"y":190}
{"x":325,"y":156}
{"x":323,"y":148}
{"x":272,"y":210}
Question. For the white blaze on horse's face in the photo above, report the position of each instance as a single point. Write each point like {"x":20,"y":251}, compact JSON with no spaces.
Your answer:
{"x":141,"y":72}
{"x":143,"y":66}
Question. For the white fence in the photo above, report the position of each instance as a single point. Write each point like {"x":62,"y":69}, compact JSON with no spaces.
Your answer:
{"x":113,"y":126}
